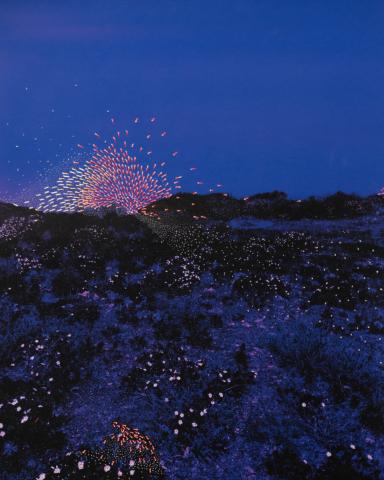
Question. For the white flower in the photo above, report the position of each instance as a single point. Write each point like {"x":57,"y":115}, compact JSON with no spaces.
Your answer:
{"x":1,"y":425}
{"x":80,"y":465}
{"x":107,"y":468}
{"x":194,"y":424}
{"x":2,"y":433}
{"x":24,"y":419}
{"x":176,"y":431}
{"x":132,"y":472}
{"x":303,"y":404}
{"x":329,"y":454}
{"x":41,"y":476}
{"x":131,"y":463}
{"x":369,"y":457}
{"x":56,"y":470}
{"x":353,"y":446}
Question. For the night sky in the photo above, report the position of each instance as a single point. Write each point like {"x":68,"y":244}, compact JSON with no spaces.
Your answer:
{"x":259,"y":95}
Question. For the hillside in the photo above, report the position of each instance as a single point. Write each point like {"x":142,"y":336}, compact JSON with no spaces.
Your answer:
{"x":243,"y":337}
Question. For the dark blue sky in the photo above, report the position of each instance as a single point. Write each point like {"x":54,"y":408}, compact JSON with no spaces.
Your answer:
{"x":260,"y":95}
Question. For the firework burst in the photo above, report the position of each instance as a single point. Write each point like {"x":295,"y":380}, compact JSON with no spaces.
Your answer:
{"x":120,"y":174}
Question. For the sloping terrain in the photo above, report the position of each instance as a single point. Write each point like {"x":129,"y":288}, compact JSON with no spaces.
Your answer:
{"x":244,"y":338}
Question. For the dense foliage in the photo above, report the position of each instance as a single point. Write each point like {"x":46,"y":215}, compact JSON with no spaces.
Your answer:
{"x":218,"y":346}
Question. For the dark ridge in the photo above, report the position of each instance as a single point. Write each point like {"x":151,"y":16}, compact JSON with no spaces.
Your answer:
{"x":222,"y":206}
{"x":270,"y":205}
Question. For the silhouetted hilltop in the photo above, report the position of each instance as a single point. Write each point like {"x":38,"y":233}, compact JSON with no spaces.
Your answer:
{"x":270,"y":205}
{"x":8,"y":210}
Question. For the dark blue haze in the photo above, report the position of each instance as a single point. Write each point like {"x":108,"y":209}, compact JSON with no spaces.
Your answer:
{"x":259,"y":94}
